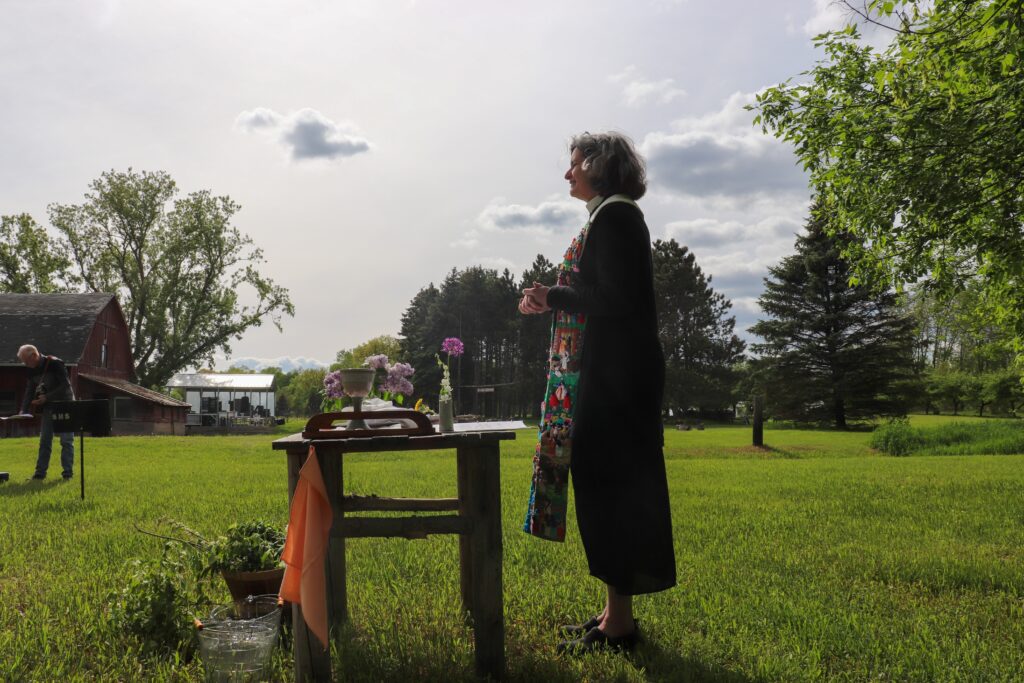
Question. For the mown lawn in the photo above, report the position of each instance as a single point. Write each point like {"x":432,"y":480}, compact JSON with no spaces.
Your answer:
{"x":815,"y":560}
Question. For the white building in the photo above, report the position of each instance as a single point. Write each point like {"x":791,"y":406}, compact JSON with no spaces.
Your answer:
{"x":227,"y":394}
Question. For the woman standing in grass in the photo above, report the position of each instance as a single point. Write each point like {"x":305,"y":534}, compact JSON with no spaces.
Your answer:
{"x":601,"y":417}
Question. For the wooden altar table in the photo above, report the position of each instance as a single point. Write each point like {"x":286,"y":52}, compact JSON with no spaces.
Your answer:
{"x":477,"y":522}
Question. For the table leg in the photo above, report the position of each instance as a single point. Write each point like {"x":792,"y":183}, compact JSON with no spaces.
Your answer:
{"x":483,"y":498}
{"x":312,"y":662}
{"x":337,"y":596}
{"x":465,"y":565}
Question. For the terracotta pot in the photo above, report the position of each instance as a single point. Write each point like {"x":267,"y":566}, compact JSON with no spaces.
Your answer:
{"x":244,"y":584}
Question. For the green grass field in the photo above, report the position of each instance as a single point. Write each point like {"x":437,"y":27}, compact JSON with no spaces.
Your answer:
{"x":814,"y":560}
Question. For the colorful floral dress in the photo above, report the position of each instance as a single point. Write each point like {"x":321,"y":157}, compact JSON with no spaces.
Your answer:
{"x":549,"y":491}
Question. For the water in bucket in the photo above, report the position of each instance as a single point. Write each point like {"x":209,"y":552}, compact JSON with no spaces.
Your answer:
{"x":238,"y":639}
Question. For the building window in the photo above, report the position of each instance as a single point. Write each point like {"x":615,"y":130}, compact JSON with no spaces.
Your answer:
{"x":8,"y":402}
{"x":103,"y":355}
{"x":124,"y":408}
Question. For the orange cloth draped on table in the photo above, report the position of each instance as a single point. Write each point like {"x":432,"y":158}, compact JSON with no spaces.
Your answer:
{"x":309,"y":525}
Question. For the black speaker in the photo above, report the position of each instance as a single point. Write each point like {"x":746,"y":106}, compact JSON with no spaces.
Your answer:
{"x":91,"y":416}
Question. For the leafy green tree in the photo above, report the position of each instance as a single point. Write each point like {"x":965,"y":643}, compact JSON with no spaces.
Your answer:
{"x":696,"y":332}
{"x":834,"y":351}
{"x":916,"y":150}
{"x":355,"y":357}
{"x":951,"y":333}
{"x":950,"y":388}
{"x":281,"y":382}
{"x":1004,"y":390}
{"x":240,"y":370}
{"x":30,"y":262}
{"x":303,"y":394}
{"x":179,"y":268}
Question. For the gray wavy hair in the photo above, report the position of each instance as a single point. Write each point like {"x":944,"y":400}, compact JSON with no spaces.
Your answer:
{"x":611,"y":163}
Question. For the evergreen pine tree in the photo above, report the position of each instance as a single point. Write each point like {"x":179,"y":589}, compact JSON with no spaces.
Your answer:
{"x":696,"y":333}
{"x":832,"y":352}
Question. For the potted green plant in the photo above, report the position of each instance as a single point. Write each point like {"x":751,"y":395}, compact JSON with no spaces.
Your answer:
{"x":248,"y":556}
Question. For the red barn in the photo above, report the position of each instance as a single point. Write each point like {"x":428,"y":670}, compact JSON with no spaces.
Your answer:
{"x":88,"y":332}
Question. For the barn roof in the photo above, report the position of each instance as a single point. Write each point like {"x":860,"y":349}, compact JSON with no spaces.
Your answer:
{"x":135,"y":390}
{"x":58,"y":324}
{"x":222,"y":381}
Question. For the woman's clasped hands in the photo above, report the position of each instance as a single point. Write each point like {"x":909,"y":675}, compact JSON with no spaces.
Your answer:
{"x":535,"y":299}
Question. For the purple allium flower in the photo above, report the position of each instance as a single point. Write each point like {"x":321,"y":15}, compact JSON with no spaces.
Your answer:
{"x":453,"y":346}
{"x":332,"y":385}
{"x":378,"y":362}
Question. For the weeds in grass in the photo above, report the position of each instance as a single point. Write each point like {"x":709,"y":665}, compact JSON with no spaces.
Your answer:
{"x":896,"y":437}
{"x":159,"y":602}
{"x":988,"y":437}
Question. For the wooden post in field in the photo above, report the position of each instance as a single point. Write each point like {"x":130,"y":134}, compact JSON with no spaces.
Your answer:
{"x":759,"y":420}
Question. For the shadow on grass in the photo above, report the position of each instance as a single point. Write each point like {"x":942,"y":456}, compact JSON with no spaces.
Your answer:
{"x":784,"y":425}
{"x":13,"y":489}
{"x":663,"y":665}
{"x":766,"y":452}
{"x":438,"y":657}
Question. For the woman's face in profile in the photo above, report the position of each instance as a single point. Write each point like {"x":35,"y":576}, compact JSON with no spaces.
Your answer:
{"x":579,"y":185}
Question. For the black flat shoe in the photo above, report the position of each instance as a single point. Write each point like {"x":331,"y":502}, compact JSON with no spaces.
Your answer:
{"x":580,"y":629}
{"x":596,"y":640}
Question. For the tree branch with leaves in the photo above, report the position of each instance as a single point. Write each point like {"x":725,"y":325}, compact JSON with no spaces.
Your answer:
{"x":178,"y":266}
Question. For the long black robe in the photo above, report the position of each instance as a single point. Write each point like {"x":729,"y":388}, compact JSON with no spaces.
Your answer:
{"x":618,"y":465}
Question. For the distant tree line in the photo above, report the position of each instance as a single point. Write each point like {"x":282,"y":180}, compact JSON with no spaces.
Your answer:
{"x":504,"y":367}
{"x":502,"y":372}
{"x":832,"y":350}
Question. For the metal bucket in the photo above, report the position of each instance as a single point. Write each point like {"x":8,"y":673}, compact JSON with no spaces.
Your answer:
{"x":237,"y":640}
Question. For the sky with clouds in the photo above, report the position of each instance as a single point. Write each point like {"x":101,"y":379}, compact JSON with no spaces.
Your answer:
{"x":374,"y":145}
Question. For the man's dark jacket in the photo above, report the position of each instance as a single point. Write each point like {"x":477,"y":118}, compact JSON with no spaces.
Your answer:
{"x":48,"y":379}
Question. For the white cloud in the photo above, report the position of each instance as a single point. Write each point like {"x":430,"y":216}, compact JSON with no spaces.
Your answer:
{"x":833,"y":15}
{"x":555,"y":214}
{"x":829,"y":15}
{"x":722,"y":154}
{"x":258,"y":118}
{"x":745,"y":308}
{"x":286,"y":363}
{"x":499,"y":263}
{"x":471,"y":240}
{"x":306,"y":134}
{"x":508,"y":235}
{"x":108,"y":11}
{"x":711,"y":233}
{"x":637,"y":90}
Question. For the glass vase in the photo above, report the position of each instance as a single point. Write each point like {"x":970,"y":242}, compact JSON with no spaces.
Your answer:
{"x":446,"y":416}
